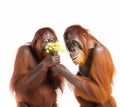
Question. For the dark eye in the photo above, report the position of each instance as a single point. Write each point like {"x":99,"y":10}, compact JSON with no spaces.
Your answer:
{"x":75,"y":43}
{"x":53,"y":40}
{"x":46,"y":41}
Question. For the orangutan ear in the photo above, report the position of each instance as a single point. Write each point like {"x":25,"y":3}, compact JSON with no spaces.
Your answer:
{"x":35,"y":41}
{"x":91,"y":44}
{"x":84,"y":35}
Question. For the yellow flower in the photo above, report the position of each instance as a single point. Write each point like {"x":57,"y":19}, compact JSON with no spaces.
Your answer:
{"x":53,"y":48}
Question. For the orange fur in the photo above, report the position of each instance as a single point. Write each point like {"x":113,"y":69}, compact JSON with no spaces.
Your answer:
{"x":92,"y":84}
{"x":33,"y":83}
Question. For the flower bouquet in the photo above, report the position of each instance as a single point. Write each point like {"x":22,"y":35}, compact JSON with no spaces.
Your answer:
{"x":53,"y":48}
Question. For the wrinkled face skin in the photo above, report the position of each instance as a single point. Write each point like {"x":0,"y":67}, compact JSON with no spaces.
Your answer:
{"x":48,"y":37}
{"x":76,"y":49}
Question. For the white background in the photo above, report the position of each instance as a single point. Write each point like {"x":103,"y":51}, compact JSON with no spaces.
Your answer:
{"x":20,"y":19}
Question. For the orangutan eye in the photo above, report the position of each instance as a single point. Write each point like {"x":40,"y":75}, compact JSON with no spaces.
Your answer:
{"x":52,"y":40}
{"x":75,"y":43}
{"x":46,"y":40}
